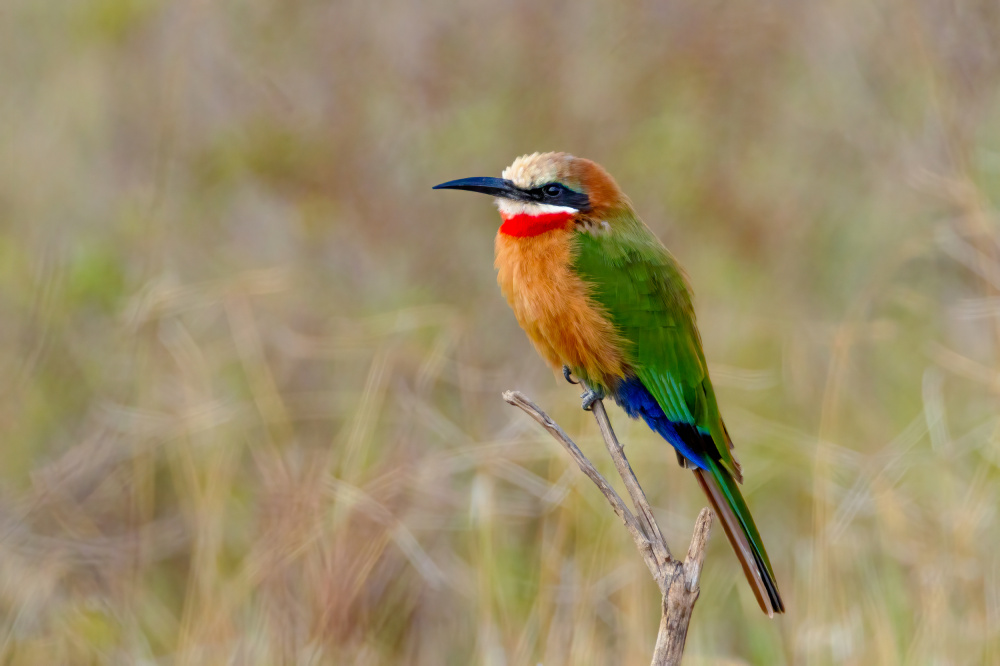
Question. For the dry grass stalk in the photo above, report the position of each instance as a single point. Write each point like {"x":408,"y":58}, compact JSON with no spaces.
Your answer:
{"x":678,"y":581}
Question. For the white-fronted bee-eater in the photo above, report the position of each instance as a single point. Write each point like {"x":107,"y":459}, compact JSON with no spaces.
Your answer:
{"x":601,"y":297}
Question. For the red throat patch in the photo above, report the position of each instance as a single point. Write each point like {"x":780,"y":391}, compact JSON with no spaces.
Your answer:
{"x":524,"y":225}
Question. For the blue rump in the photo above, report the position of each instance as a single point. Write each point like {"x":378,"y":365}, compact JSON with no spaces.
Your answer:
{"x":637,"y":402}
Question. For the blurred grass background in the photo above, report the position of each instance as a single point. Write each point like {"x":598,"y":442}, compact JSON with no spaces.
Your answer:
{"x":251,"y":411}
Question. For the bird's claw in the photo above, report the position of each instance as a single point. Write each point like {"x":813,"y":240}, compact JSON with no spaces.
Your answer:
{"x":590,"y":396}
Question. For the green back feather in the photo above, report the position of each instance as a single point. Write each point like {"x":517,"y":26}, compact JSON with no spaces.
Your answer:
{"x":640,"y":285}
{"x":643,"y":290}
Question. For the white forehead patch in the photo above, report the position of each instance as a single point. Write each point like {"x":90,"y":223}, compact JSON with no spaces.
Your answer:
{"x":509,"y":208}
{"x":530,"y":171}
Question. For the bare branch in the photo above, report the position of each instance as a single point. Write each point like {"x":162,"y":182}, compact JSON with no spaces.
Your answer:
{"x":696,"y":551}
{"x":678,"y":602}
{"x":518,"y":399}
{"x":632,"y":484}
{"x":678,"y":582}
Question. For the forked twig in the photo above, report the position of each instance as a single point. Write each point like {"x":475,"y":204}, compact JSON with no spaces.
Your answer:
{"x":678,"y":581}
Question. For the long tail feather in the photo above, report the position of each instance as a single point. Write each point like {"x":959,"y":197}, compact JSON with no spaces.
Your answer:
{"x":739,"y":526}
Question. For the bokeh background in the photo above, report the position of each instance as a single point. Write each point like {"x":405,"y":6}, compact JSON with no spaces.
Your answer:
{"x":252,"y":364}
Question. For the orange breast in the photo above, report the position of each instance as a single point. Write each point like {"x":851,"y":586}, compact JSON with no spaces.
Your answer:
{"x":553,"y":307}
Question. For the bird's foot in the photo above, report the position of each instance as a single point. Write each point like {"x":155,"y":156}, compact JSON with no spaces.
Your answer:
{"x":590,"y":396}
{"x":568,"y":374}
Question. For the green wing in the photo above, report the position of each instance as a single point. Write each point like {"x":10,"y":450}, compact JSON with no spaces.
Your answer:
{"x":645,"y":293}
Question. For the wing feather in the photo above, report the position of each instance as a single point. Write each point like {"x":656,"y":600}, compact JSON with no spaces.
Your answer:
{"x":636,"y":280}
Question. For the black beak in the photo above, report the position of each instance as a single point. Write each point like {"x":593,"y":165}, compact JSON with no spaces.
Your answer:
{"x":496,"y":187}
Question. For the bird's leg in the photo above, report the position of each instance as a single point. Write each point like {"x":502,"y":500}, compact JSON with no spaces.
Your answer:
{"x":590,"y":396}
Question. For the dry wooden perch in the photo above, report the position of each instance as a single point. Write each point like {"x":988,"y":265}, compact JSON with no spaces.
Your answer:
{"x":678,"y":581}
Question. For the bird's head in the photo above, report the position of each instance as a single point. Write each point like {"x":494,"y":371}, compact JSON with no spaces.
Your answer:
{"x":544,"y":191}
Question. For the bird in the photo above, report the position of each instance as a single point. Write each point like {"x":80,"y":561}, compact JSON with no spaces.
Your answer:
{"x":602,"y":299}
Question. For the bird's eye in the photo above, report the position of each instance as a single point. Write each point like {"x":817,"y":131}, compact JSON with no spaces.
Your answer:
{"x":552,"y":190}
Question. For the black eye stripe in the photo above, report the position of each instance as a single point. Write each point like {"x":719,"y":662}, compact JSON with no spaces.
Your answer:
{"x":559,"y":195}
